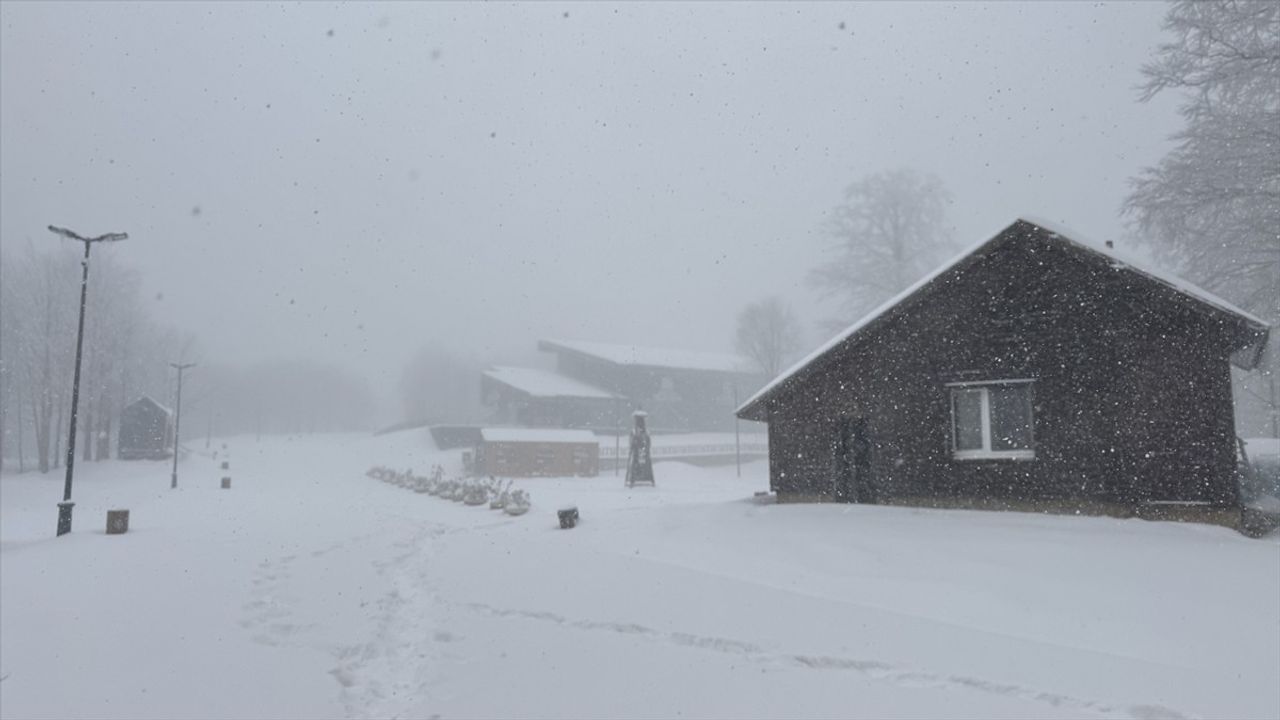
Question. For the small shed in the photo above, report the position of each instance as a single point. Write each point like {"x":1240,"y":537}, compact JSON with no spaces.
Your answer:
{"x":1033,"y":371}
{"x":537,"y":452}
{"x":146,"y":431}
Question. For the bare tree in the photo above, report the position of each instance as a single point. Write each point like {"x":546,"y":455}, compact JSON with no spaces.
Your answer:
{"x":889,"y":231}
{"x":769,"y":333}
{"x":123,"y":356}
{"x":1212,"y":205}
{"x":35,"y":342}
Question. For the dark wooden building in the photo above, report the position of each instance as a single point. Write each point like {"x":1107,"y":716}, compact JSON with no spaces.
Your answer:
{"x":1033,"y":371}
{"x":681,"y":390}
{"x":146,"y":431}
{"x":538,"y":398}
{"x":537,"y":452}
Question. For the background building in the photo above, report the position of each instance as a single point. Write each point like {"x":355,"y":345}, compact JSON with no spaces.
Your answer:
{"x":598,"y":386}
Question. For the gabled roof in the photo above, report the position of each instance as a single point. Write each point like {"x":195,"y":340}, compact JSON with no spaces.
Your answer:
{"x":1020,"y":227}
{"x":639,"y":356}
{"x":150,"y":400}
{"x":543,"y":384}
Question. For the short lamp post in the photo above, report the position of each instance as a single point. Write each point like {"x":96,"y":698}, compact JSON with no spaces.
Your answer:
{"x":177,"y":421}
{"x":737,"y":432}
{"x":64,"y":507}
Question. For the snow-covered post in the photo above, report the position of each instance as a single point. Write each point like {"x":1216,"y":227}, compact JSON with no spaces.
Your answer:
{"x":568,"y":517}
{"x":177,"y":421}
{"x":117,"y":522}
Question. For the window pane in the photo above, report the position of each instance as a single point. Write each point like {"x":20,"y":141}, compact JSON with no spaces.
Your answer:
{"x":1011,"y":417}
{"x":966,"y":409}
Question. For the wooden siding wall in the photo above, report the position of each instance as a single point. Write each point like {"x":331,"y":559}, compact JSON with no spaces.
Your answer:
{"x":538,"y":459}
{"x":1132,"y":397}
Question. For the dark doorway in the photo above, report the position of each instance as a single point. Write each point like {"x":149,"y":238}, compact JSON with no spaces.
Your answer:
{"x":853,"y":471}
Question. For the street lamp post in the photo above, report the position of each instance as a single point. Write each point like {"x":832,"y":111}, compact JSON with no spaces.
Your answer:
{"x":737,"y":433}
{"x":177,"y":422}
{"x":64,"y":507}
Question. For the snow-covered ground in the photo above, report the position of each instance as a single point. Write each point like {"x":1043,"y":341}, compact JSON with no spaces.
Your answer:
{"x":310,"y":590}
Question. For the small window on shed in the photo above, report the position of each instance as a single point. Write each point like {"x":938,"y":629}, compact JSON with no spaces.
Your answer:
{"x":992,"y":420}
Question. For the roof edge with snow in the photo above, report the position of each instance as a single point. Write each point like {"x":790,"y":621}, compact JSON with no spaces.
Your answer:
{"x":748,"y":409}
{"x":153,"y":401}
{"x":544,"y":384}
{"x":652,"y":357}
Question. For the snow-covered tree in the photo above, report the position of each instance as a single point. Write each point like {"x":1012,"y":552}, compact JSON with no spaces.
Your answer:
{"x":1212,"y":205}
{"x":769,"y":332}
{"x":889,"y":231}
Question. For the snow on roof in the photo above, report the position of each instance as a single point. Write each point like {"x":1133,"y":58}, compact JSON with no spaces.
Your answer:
{"x":654,"y":357}
{"x":152,"y":400}
{"x":1176,"y":283}
{"x":540,"y":383}
{"x":854,"y":328}
{"x":538,"y":435}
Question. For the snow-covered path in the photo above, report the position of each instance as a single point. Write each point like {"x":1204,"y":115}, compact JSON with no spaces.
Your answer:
{"x":309,"y":590}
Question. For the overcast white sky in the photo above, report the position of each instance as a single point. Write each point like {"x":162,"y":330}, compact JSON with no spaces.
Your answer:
{"x":370,"y":178}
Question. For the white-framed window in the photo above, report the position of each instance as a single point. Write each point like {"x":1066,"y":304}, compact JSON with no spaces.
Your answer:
{"x":992,"y":420}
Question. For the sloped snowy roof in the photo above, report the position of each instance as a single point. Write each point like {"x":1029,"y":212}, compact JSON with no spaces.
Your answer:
{"x":538,"y":435}
{"x":148,"y":398}
{"x":540,"y":383}
{"x":1181,"y":286}
{"x":653,"y":357}
{"x":1146,"y":269}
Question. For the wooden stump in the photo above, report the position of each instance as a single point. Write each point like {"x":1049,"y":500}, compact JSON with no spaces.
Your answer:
{"x":226,"y":483}
{"x":117,"y":522}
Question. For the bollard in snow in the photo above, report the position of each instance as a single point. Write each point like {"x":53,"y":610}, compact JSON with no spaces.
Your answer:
{"x":226,"y":483}
{"x":568,"y":517}
{"x":64,"y":517}
{"x":117,"y":522}
{"x":226,"y":465}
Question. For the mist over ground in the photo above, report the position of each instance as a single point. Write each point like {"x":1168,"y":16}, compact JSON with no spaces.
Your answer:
{"x":793,"y":359}
{"x":350,"y":183}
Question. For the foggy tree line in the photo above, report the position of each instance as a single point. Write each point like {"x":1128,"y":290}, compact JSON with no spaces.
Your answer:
{"x":298,"y":396}
{"x":126,"y":356}
{"x":126,"y":353}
